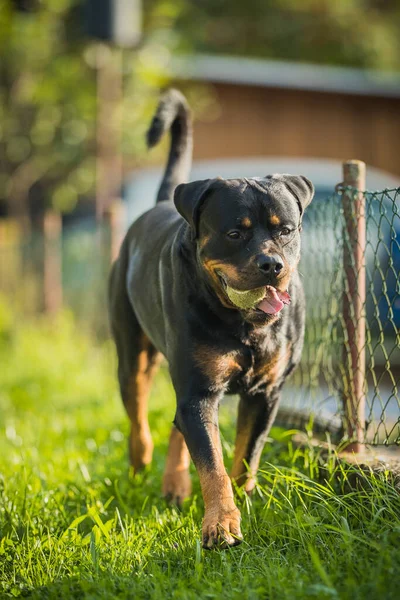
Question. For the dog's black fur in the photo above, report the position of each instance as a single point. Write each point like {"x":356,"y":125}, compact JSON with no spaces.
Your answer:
{"x":168,"y":296}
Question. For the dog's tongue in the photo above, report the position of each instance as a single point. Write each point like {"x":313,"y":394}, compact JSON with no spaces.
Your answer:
{"x":274,"y":301}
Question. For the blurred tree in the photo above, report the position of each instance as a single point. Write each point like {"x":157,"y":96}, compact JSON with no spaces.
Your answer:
{"x":48,"y":100}
{"x":362,"y":33}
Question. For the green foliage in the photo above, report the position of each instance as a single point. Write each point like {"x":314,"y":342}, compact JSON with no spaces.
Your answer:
{"x":48,"y":102}
{"x":360,"y":33}
{"x":74,"y":523}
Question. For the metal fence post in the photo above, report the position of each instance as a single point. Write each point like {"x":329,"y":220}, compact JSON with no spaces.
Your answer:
{"x":354,"y":299}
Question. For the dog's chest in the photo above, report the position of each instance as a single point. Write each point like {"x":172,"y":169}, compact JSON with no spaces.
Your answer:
{"x":261,"y":366}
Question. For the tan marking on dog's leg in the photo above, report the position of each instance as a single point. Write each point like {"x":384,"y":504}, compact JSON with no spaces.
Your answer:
{"x":176,"y":481}
{"x":221,"y":523}
{"x":136,"y":399}
{"x":242,"y":474}
{"x":249,"y":447}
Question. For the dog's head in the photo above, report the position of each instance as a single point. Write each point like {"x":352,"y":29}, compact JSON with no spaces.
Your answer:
{"x":247,"y":234}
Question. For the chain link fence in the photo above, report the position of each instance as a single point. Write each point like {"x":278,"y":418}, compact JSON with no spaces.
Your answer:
{"x":317,"y":393}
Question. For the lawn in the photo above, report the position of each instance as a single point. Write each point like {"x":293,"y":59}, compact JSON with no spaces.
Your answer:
{"x":74,"y":523}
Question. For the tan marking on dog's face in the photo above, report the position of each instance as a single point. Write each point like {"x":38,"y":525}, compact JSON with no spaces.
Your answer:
{"x":246,"y":222}
{"x":219,"y":369}
{"x":274,"y":220}
{"x":227,"y":269}
{"x":204,"y":241}
{"x":283,"y":282}
{"x":212,"y":267}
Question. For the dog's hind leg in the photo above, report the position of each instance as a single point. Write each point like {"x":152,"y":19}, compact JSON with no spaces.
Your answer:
{"x":176,"y":481}
{"x":135,"y":389}
{"x":137,"y":363}
{"x":135,"y":374}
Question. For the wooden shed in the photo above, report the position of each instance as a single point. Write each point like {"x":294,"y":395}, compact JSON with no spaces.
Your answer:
{"x":273,"y":108}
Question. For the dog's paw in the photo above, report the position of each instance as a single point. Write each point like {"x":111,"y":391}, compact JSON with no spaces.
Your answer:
{"x":221,"y":527}
{"x":177,"y":486}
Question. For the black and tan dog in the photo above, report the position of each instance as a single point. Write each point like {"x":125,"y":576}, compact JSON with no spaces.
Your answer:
{"x":169,"y":295}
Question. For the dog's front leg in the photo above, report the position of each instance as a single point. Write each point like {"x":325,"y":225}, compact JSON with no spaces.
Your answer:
{"x":197,"y":419}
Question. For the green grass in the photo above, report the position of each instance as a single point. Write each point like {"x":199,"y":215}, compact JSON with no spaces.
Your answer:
{"x":74,"y":523}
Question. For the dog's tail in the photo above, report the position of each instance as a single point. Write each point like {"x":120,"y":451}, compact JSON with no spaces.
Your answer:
{"x":173,"y":113}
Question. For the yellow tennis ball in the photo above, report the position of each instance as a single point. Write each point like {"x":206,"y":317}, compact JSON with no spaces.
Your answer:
{"x":245,"y":300}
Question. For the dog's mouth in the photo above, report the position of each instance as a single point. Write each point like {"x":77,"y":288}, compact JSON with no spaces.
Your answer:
{"x":266,"y":299}
{"x":274,"y":301}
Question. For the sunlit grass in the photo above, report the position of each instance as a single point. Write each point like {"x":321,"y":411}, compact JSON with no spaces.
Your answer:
{"x":74,"y":523}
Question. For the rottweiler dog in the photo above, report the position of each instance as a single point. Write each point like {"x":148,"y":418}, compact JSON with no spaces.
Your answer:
{"x":171,"y":295}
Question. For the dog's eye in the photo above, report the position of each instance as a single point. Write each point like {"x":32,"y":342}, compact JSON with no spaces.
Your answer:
{"x":234,"y":234}
{"x":284,"y":231}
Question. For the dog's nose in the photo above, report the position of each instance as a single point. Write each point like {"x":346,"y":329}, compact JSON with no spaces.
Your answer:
{"x":270,"y":265}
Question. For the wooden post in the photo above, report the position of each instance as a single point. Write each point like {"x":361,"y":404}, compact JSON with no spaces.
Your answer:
{"x":114,"y":217}
{"x":354,"y":300}
{"x":108,"y":127}
{"x":11,"y":274}
{"x":52,"y":262}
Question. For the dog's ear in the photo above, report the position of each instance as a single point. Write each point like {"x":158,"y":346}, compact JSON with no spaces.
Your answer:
{"x":301,"y":188}
{"x":188,"y":199}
